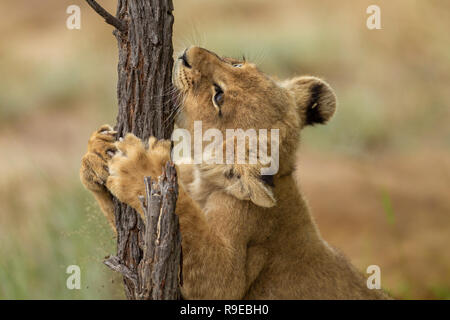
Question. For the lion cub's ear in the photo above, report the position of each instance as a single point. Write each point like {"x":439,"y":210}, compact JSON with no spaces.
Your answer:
{"x":249,"y":185}
{"x":316,"y":101}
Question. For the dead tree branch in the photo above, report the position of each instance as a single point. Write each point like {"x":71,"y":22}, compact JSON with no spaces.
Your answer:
{"x":159,"y":271}
{"x":109,"y":18}
{"x":113,"y":262}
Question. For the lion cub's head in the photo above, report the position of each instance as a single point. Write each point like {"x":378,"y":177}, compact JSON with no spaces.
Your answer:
{"x":225,"y":93}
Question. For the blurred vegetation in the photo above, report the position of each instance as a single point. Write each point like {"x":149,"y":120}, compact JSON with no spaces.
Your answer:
{"x":382,"y":158}
{"x":35,"y":260}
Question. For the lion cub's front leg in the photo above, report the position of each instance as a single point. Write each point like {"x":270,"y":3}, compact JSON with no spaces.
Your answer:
{"x":94,"y":168}
{"x":132,"y":163}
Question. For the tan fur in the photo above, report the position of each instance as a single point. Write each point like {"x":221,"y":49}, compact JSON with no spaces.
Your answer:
{"x":242,"y":238}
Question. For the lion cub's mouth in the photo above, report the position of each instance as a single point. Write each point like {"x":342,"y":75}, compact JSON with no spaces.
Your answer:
{"x":180,"y":78}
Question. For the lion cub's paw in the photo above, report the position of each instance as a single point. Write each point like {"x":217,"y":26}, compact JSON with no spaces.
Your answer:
{"x":159,"y":153}
{"x":132,"y":163}
{"x":94,"y":164}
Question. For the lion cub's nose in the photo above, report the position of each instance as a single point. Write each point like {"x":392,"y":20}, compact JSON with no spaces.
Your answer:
{"x":184,"y":60}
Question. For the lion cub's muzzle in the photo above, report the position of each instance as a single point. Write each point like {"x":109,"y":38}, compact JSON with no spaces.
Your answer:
{"x":193,"y":64}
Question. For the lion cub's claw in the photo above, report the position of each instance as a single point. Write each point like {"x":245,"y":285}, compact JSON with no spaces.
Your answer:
{"x":130,"y":145}
{"x":107,"y":130}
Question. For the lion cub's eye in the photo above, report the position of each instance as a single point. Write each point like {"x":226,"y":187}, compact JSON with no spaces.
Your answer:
{"x":237,"y":65}
{"x":218,"y":96}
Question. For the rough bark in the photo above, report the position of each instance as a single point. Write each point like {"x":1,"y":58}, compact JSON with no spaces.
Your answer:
{"x":159,"y":271}
{"x":144,"y":36}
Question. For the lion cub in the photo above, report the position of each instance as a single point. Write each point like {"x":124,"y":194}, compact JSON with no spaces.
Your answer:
{"x":245,"y":235}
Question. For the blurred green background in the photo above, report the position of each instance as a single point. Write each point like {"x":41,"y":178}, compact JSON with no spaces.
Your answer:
{"x":377,"y":176}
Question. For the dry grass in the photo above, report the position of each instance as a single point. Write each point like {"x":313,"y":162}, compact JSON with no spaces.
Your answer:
{"x":377,"y":177}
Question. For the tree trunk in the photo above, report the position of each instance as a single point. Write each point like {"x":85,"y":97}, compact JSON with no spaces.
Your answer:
{"x":146,"y":103}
